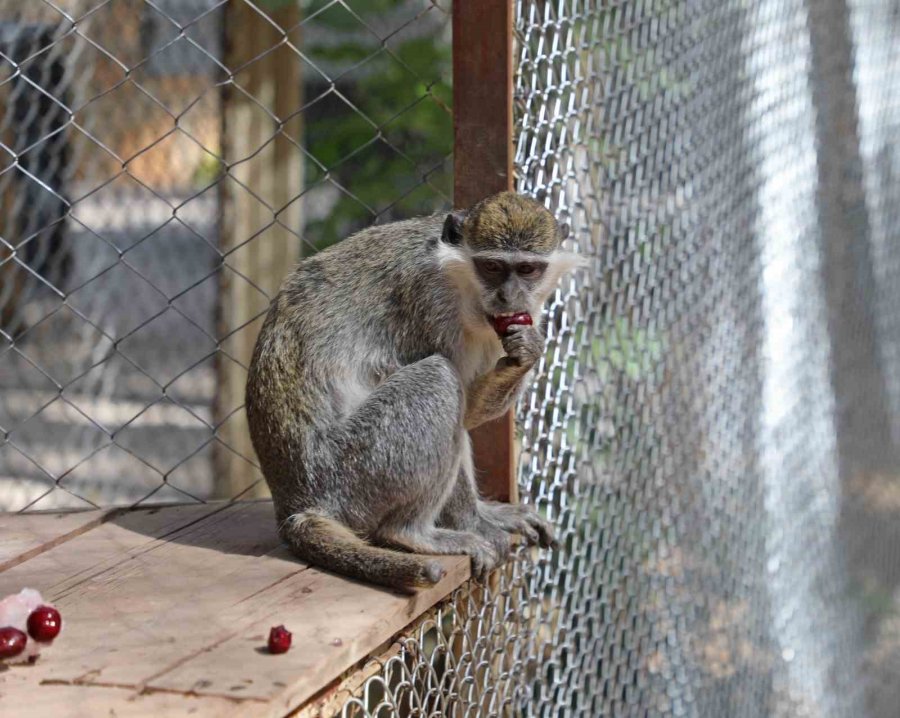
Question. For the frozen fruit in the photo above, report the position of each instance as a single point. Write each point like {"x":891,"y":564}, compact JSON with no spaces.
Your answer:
{"x":44,"y":624}
{"x":12,"y":642}
{"x":279,"y":639}
{"x":15,"y":608}
{"x":14,"y":612}
{"x":503,"y":323}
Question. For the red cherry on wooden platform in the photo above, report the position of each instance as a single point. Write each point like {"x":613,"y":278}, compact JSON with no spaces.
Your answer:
{"x":279,"y":639}
{"x":44,"y":624}
{"x":502,"y":324}
{"x":12,"y":642}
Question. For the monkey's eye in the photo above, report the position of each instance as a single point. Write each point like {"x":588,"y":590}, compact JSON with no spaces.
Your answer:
{"x":492,"y":266}
{"x":527,"y":269}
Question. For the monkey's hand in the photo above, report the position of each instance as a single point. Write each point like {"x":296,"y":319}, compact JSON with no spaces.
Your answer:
{"x":519,"y":519}
{"x":494,"y":393}
{"x":523,"y":345}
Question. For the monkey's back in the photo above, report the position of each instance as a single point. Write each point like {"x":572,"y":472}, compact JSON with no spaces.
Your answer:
{"x":342,"y":321}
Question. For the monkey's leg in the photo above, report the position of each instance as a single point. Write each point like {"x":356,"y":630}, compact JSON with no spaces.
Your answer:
{"x":400,"y":453}
{"x":464,"y":509}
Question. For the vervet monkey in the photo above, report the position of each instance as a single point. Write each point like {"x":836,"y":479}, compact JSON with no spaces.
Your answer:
{"x":377,"y":356}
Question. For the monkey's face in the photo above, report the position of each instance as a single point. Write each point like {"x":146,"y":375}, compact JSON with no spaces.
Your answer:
{"x":504,"y":255}
{"x":510,"y":282}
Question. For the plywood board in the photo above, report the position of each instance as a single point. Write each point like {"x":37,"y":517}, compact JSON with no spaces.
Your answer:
{"x":19,"y":695}
{"x":335,"y":623}
{"x":178,"y":601}
{"x":23,"y":536}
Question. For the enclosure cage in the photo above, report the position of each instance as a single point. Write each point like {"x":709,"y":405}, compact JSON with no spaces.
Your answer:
{"x":714,"y":428}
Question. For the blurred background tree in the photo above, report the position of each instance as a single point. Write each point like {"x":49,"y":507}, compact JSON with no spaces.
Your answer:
{"x":378,"y":120}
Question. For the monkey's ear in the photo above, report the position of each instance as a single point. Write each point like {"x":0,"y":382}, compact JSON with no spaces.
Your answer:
{"x":563,"y":231}
{"x":452,"y":233}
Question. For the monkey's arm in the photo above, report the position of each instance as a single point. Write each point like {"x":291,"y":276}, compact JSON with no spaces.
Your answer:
{"x":493,"y":394}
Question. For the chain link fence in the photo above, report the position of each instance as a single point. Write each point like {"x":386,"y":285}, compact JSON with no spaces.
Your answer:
{"x":162,"y":164}
{"x":715,"y":426}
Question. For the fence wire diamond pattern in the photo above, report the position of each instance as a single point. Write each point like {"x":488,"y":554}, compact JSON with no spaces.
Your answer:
{"x":158,"y":174}
{"x":715,"y":425}
{"x":683,"y":431}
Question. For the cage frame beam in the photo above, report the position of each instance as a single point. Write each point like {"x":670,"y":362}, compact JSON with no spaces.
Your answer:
{"x":483,"y":154}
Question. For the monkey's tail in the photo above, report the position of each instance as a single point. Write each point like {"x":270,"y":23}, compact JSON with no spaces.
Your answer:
{"x":324,"y":542}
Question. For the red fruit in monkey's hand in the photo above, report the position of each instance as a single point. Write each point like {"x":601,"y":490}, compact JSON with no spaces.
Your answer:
{"x":279,"y":639}
{"x":502,"y":324}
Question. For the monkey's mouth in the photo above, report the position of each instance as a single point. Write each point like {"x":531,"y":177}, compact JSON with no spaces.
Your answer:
{"x":505,"y":315}
{"x":499,"y":317}
{"x":502,"y":322}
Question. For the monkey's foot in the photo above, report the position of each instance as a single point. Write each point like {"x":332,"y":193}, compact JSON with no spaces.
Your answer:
{"x":485,"y":555}
{"x":519,"y":519}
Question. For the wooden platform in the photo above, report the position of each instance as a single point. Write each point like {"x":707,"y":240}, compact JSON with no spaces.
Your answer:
{"x":166,"y":613}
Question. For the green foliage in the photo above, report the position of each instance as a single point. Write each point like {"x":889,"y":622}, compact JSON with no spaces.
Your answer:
{"x":619,"y":352}
{"x":623,"y":349}
{"x":383,"y":128}
{"x":273,"y":5}
{"x":207,"y":171}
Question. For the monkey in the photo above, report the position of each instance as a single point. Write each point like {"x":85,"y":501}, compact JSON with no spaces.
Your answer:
{"x":376,"y":357}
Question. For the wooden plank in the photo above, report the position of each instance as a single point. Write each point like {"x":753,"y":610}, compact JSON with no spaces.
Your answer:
{"x":483,"y":165}
{"x":329,"y":701}
{"x":335,"y":622}
{"x":136,"y":590}
{"x":20,"y":695}
{"x":261,"y":218}
{"x":178,"y":600}
{"x":23,"y":536}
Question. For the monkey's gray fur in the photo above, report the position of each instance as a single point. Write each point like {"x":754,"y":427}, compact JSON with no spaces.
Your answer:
{"x":376,"y":357}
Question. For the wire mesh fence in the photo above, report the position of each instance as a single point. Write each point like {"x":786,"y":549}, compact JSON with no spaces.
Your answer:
{"x":163,"y":163}
{"x":715,"y":425}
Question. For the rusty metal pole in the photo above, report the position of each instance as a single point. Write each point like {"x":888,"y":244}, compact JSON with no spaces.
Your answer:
{"x":483,"y":165}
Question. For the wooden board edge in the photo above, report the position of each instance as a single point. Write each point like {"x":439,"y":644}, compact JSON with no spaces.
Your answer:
{"x":295,"y":698}
{"x":329,"y":700}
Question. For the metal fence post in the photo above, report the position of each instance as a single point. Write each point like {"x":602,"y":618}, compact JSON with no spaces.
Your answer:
{"x":483,"y":165}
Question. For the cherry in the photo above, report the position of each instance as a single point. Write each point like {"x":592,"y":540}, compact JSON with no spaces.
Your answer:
{"x":502,"y":324}
{"x":12,"y":642}
{"x":44,"y":624}
{"x":279,"y":639}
